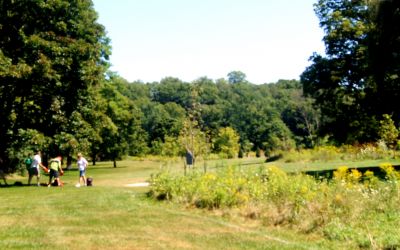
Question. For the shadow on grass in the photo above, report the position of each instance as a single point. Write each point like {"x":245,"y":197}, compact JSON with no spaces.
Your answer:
{"x":96,"y":167}
{"x":15,"y":184}
{"x":328,"y":174}
{"x":73,"y":170}
{"x":19,"y":184}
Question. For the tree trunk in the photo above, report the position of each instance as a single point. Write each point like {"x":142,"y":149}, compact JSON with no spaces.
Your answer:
{"x":115,"y":163}
{"x":69,"y":162}
{"x":94,"y":159}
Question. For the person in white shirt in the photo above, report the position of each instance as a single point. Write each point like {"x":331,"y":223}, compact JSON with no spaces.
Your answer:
{"x":82,"y":165}
{"x":34,"y":169}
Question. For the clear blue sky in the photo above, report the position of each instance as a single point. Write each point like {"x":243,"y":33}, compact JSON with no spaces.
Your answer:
{"x":267,"y":40}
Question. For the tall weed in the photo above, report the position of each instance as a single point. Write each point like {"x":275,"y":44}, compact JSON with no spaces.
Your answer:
{"x":354,"y":207}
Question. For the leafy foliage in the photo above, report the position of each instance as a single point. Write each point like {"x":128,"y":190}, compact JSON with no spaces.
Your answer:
{"x":123,"y":133}
{"x":54,"y":55}
{"x":388,"y":131}
{"x":227,"y":143}
{"x":170,"y":106}
{"x":356,"y":82}
{"x":51,"y":52}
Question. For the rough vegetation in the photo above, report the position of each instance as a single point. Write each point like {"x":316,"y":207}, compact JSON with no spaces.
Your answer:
{"x":360,"y":209}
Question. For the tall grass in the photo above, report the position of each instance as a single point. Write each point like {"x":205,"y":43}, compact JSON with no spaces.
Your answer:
{"x":356,"y":208}
{"x":347,"y":153}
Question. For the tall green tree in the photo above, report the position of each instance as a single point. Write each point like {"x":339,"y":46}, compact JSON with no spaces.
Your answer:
{"x":296,"y":110}
{"x":163,"y":120}
{"x":122,"y":132}
{"x":51,"y":52}
{"x":236,"y":77}
{"x":171,"y":89}
{"x":384,"y":58}
{"x":357,"y":80}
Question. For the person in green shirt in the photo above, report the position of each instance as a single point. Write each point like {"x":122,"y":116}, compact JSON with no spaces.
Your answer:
{"x":55,"y":170}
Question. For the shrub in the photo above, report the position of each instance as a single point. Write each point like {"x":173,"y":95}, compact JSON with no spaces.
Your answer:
{"x":27,"y":142}
{"x":227,"y":142}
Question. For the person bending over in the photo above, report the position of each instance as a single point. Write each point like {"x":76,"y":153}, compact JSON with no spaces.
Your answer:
{"x":55,"y":170}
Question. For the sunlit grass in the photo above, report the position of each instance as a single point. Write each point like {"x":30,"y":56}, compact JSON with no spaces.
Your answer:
{"x":120,"y":218}
{"x":110,"y":215}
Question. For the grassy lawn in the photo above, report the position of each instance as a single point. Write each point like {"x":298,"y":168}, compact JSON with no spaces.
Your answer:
{"x":111,"y":215}
{"x":112,"y":218}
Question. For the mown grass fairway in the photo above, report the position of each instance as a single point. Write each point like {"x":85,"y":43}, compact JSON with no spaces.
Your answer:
{"x":110,"y":215}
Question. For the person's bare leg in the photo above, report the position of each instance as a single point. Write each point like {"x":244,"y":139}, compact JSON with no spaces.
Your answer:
{"x":83,"y":180}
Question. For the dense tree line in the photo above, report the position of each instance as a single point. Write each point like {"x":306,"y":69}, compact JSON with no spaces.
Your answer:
{"x":57,"y":94}
{"x":267,"y":117}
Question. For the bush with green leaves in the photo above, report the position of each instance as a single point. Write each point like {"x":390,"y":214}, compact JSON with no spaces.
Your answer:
{"x":227,"y":143}
{"x":388,"y":131}
{"x":28,"y":141}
